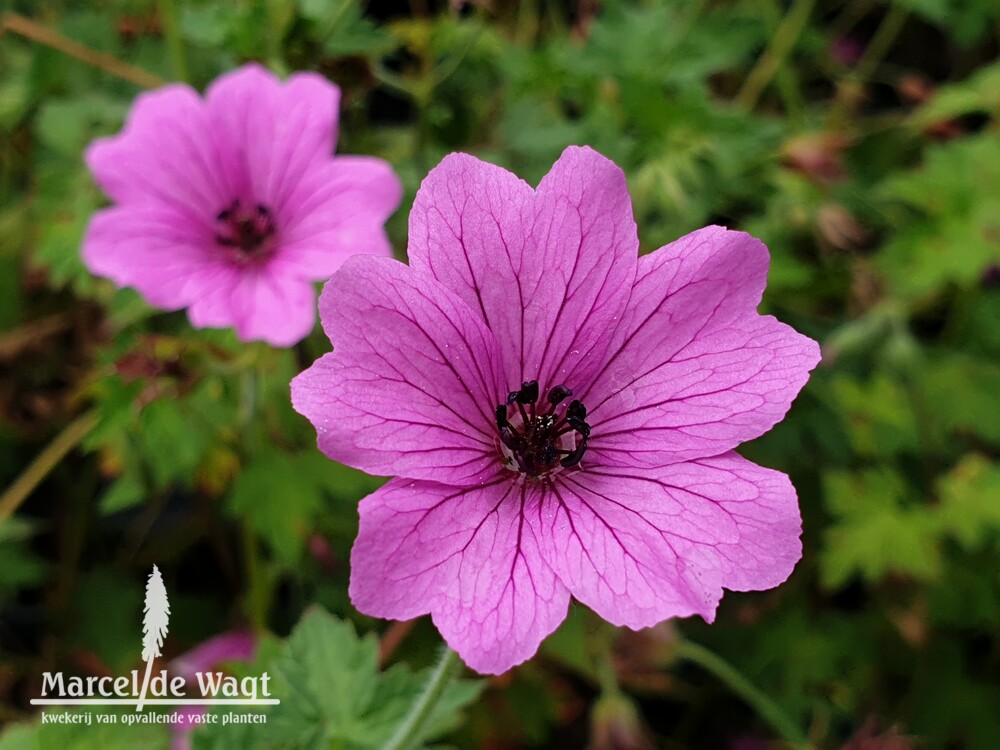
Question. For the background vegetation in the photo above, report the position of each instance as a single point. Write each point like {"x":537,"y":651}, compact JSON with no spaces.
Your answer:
{"x":860,"y":139}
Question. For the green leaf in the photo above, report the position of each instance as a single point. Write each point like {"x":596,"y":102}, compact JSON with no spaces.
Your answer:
{"x":15,"y":95}
{"x":126,"y":491}
{"x":66,"y":200}
{"x":341,"y":29}
{"x":968,"y":20}
{"x":282,"y":495}
{"x":962,"y":389}
{"x":876,"y":413}
{"x":979,"y":93}
{"x":19,"y":566}
{"x":106,"y":609}
{"x":279,"y":500}
{"x":105,"y":736}
{"x":333,"y":695}
{"x":20,"y":737}
{"x":209,"y":25}
{"x":947,"y":215}
{"x":874,"y":534}
{"x":174,"y":440}
{"x":86,"y":736}
{"x":970,"y":501}
{"x":332,"y":699}
{"x":67,"y":125}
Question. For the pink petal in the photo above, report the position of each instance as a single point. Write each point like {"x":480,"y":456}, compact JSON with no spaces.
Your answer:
{"x":467,"y":557}
{"x":694,"y":371}
{"x":234,"y":645}
{"x":640,"y":547}
{"x":183,"y":726}
{"x":262,"y":306}
{"x":271,"y":133}
{"x":152,"y":248}
{"x":548,"y":271}
{"x":413,"y":382}
{"x":337,"y":211}
{"x":164,"y":155}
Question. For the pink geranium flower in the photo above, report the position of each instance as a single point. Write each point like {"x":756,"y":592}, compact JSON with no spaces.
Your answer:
{"x":232,"y":205}
{"x":560,"y":413}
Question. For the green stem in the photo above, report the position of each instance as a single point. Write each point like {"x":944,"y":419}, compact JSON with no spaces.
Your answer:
{"x":767,"y":709}
{"x":256,"y":585}
{"x":445,"y":69}
{"x":258,"y":594}
{"x":45,"y":462}
{"x":278,"y":17}
{"x":785,"y":76}
{"x":175,"y":43}
{"x":248,"y":409}
{"x":392,"y":81}
{"x":879,"y":46}
{"x":607,"y":676}
{"x":602,"y":643}
{"x":852,"y":12}
{"x":411,"y":729}
{"x":784,"y":40}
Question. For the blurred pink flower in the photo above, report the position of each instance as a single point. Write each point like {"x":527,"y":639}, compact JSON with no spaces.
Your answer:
{"x":847,"y":50}
{"x":235,"y":645}
{"x":232,"y":205}
{"x":560,"y":413}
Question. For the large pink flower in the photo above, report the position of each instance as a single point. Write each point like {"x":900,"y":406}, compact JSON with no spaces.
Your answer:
{"x":232,"y":205}
{"x":559,"y":413}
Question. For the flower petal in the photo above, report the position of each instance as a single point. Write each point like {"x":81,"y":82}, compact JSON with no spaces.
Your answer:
{"x":638,"y":548}
{"x":694,"y":371}
{"x":260,"y":305}
{"x":270,"y":132}
{"x":467,"y":556}
{"x":272,"y":308}
{"x":233,"y":645}
{"x":337,"y":211}
{"x":165,"y":155}
{"x":549,"y":271}
{"x":413,"y":382}
{"x":150,"y":248}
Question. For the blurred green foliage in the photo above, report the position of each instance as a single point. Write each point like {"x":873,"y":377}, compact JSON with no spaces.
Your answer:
{"x":859,"y":140}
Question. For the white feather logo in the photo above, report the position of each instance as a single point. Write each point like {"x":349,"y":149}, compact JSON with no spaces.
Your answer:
{"x":155,"y":619}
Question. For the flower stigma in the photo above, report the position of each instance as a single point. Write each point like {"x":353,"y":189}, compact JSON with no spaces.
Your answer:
{"x":249,"y":234}
{"x":537,"y":438}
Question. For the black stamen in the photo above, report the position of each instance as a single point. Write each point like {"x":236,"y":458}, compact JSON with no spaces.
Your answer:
{"x":502,"y":422}
{"x":576,"y":456}
{"x":528,"y":393}
{"x":540,"y":439}
{"x":580,"y":426}
{"x":558,"y":394}
{"x":228,"y":211}
{"x":247,"y":231}
{"x":509,"y":438}
{"x":524,"y":414}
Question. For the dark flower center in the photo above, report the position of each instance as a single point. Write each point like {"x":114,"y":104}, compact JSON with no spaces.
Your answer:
{"x":249,"y":234}
{"x":540,"y":437}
